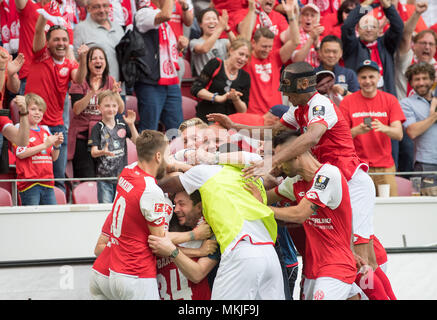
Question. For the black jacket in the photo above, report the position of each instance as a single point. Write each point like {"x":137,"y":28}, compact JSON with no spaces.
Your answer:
{"x":355,"y":52}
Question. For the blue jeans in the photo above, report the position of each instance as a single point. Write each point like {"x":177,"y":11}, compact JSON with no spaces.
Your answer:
{"x":155,"y":103}
{"x":106,"y":191}
{"x":38,"y":195}
{"x":61,"y":163}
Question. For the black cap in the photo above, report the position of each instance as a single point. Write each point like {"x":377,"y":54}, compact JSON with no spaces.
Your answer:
{"x":368,"y":64}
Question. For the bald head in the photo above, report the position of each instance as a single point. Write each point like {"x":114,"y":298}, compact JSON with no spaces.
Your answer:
{"x":368,"y":28}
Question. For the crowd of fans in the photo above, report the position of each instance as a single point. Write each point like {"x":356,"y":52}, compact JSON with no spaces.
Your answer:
{"x":66,"y":52}
{"x":374,"y":59}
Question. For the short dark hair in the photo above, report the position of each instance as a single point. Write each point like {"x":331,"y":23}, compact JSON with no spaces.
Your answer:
{"x":331,"y":38}
{"x":148,"y":143}
{"x":282,"y":136}
{"x":205,"y":11}
{"x":56,"y":27}
{"x":263,"y":32}
{"x":195,"y":197}
{"x":418,"y":68}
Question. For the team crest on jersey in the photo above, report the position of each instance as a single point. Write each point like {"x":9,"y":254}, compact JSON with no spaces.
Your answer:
{"x":64,"y":71}
{"x":32,"y":139}
{"x":319,"y":111}
{"x":321,"y":182}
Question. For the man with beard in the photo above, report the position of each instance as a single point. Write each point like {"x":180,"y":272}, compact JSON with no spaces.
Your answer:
{"x":139,"y":210}
{"x":421,"y":114}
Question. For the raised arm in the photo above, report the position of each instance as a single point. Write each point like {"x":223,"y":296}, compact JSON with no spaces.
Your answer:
{"x":39,"y":38}
{"x":291,"y":35}
{"x":410,"y":26}
{"x":245,"y":27}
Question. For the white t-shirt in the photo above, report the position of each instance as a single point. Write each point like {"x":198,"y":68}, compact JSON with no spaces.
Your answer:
{"x":254,"y":231}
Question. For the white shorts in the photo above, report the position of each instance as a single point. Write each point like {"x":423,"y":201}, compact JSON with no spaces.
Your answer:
{"x":99,"y":286}
{"x":326,"y":288}
{"x":127,"y":287}
{"x":363,"y":196}
{"x":249,"y":272}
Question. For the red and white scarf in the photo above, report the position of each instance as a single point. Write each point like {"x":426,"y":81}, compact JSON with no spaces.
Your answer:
{"x":168,"y":54}
{"x":10,"y":25}
{"x":264,"y":19}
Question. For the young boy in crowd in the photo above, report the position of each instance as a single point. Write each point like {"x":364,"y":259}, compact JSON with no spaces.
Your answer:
{"x":108,"y":143}
{"x":35,"y":161}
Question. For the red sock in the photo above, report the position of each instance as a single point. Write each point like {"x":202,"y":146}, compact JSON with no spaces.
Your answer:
{"x":371,"y":285}
{"x":386,"y":283}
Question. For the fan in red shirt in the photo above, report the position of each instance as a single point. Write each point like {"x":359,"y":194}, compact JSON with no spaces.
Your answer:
{"x":265,"y":65}
{"x":261,"y":14}
{"x":375,"y":117}
{"x":28,"y":16}
{"x":310,"y":31}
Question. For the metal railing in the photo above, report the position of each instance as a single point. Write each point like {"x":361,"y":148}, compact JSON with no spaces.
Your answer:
{"x":14,"y":189}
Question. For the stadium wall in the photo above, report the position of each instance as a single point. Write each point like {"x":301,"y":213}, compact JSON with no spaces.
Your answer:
{"x":46,"y":252}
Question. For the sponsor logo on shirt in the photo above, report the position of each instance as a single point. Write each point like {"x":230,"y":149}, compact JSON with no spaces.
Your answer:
{"x":64,"y":71}
{"x":264,"y":70}
{"x":369,"y":114}
{"x":125,"y":185}
{"x":319,"y":111}
{"x":321,"y":182}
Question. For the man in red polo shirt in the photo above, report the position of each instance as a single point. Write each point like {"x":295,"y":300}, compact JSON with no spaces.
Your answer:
{"x":375,"y":117}
{"x":50,"y":77}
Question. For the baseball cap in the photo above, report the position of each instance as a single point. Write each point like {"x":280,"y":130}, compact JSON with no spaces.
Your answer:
{"x":310,"y":6}
{"x":324,"y":73}
{"x":368,"y":64}
{"x":279,"y":110}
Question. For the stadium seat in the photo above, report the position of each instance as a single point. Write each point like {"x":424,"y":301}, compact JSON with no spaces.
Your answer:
{"x":188,"y":107}
{"x":5,"y":198}
{"x":131,"y":151}
{"x":132,"y":104}
{"x":186,"y":87}
{"x":85,"y":193}
{"x":404,"y":187}
{"x":187,"y":73}
{"x":14,"y":112}
{"x":60,"y":196}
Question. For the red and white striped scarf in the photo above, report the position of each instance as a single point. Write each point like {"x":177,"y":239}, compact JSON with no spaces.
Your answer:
{"x":168,"y":54}
{"x":10,"y":25}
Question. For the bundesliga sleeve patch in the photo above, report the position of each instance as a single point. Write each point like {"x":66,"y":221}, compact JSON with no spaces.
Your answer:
{"x":319,"y":111}
{"x":321,"y":182}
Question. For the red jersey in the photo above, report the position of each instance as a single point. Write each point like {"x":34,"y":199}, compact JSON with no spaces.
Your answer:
{"x":139,"y":202}
{"x":4,"y":122}
{"x":101,"y":264}
{"x":380,"y":253}
{"x":50,"y":79}
{"x":328,"y":230}
{"x":173,"y":285}
{"x":312,"y":58}
{"x":336,"y":145}
{"x":372,"y":147}
{"x":28,"y":17}
{"x":38,"y":166}
{"x":275,"y":21}
{"x":265,"y":80}
{"x":176,"y":21}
